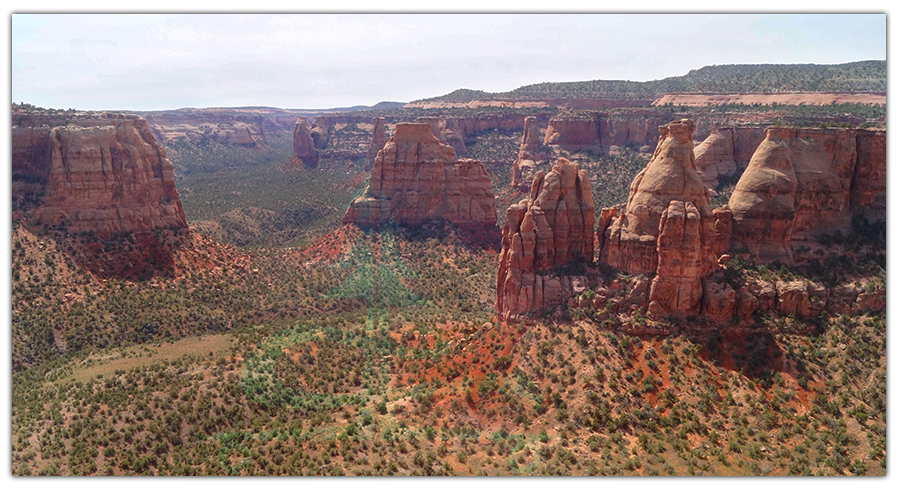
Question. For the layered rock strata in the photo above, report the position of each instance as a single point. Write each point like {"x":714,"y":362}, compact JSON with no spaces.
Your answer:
{"x":667,"y":228}
{"x":417,"y":179}
{"x":573,"y":132}
{"x":304,"y":147}
{"x":102,"y":173}
{"x":379,"y":139}
{"x":249,"y":127}
{"x":802,"y":182}
{"x":550,"y":229}
{"x":532,"y":155}
{"x":726,"y":150}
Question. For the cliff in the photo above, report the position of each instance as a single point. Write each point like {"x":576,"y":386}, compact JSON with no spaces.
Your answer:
{"x":93,"y":172}
{"x":101,"y":186}
{"x":241,"y":127}
{"x":802,"y":182}
{"x":417,"y":179}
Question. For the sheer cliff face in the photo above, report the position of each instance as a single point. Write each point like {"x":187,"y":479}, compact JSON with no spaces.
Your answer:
{"x":102,"y":173}
{"x":802,"y":182}
{"x":550,"y":229}
{"x":416,"y":179}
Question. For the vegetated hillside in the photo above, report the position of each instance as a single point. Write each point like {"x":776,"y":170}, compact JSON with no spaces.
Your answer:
{"x":271,"y":204}
{"x":210,"y":156}
{"x":395,"y":395}
{"x":321,"y":349}
{"x":861,"y":76}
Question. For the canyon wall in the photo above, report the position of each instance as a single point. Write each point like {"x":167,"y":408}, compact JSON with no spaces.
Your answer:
{"x":802,"y":182}
{"x":417,"y":179}
{"x":247,"y":128}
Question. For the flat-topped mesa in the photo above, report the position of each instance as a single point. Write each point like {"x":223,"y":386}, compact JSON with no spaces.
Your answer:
{"x":573,"y":132}
{"x":379,"y":139}
{"x":550,"y":229}
{"x":304,"y":147}
{"x":802,"y":182}
{"x":532,"y":154}
{"x":668,"y":227}
{"x":416,"y":179}
{"x":102,"y":173}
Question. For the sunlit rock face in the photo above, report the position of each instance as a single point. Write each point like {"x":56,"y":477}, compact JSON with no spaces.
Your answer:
{"x":417,"y":179}
{"x":668,"y":228}
{"x":93,"y":172}
{"x":802,"y":182}
{"x":543,"y":234}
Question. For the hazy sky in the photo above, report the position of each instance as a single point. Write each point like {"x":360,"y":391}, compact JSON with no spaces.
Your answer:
{"x":147,"y":62}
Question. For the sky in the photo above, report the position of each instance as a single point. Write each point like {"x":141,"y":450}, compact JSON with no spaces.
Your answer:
{"x":314,"y":61}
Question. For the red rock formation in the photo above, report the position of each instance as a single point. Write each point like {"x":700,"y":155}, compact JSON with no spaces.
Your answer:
{"x":319,"y":132}
{"x":573,"y":132}
{"x":726,"y":150}
{"x":532,"y":154}
{"x":102,"y":173}
{"x":416,"y":179}
{"x":801,"y":182}
{"x":450,"y":131}
{"x":102,"y":187}
{"x":551,"y":228}
{"x":667,"y":228}
{"x":452,"y":134}
{"x":868,"y":193}
{"x":241,"y":127}
{"x":379,"y":139}
{"x":304,"y":148}
{"x":715,"y":157}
